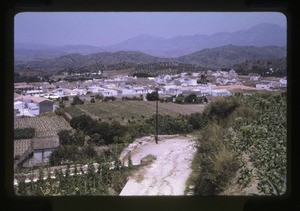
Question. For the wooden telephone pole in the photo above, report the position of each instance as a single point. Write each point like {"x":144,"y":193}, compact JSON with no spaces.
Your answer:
{"x":156,"y":122}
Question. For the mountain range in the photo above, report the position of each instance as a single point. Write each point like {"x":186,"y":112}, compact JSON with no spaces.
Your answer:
{"x":260,"y":35}
{"x":225,"y":56}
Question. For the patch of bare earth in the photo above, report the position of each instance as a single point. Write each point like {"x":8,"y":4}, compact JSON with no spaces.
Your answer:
{"x":167,"y":168}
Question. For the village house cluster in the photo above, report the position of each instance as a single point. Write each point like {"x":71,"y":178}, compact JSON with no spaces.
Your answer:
{"x":31,"y":99}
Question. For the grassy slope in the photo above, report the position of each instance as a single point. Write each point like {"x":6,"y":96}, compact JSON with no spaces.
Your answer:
{"x":122,"y":110}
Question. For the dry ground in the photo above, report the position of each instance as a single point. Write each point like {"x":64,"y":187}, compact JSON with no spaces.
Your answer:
{"x":168,"y":172}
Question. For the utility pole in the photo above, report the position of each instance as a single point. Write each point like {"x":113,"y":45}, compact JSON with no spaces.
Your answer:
{"x":156,"y":122}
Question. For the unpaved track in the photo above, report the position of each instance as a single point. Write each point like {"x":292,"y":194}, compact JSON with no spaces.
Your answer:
{"x":167,"y":174}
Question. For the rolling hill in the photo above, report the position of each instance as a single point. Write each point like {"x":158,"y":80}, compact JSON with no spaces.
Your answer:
{"x":225,"y":56}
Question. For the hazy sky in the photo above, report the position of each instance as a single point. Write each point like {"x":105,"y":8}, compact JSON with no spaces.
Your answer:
{"x":105,"y":28}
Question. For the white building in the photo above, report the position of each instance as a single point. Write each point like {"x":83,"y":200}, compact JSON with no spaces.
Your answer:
{"x":34,"y":92}
{"x":123,"y":91}
{"x":220,"y":92}
{"x":109,"y":92}
{"x":262,"y":86}
{"x":95,"y":89}
{"x":232,"y":73}
{"x":33,"y":108}
{"x":141,"y":90}
{"x":283,"y":82}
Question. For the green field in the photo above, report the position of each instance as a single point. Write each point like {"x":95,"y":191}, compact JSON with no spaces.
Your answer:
{"x":130,"y":110}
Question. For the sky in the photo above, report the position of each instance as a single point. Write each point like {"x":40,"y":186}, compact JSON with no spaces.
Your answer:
{"x":107,"y":28}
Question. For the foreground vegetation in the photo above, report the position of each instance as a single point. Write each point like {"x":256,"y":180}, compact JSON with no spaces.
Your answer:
{"x":128,"y":111}
{"x":233,"y":127}
{"x":229,"y":128}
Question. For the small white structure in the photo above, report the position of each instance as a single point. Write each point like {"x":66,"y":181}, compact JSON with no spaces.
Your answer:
{"x":33,"y":109}
{"x":262,"y":86}
{"x":232,"y":73}
{"x":109,"y":92}
{"x":220,"y":92}
{"x":95,"y":89}
{"x":283,"y":82}
{"x":254,"y":76}
{"x":141,"y":90}
{"x":34,"y":92}
{"x":123,"y":91}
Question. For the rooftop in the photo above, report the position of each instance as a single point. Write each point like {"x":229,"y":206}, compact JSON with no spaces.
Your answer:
{"x":46,"y":142}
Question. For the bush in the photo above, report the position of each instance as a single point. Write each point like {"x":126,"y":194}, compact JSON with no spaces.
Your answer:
{"x":63,"y":154}
{"x":78,"y":138}
{"x":83,"y":122}
{"x":99,"y":97}
{"x":77,"y":101}
{"x":65,"y":137}
{"x":222,"y":108}
{"x":24,"y":133}
{"x":59,"y":112}
{"x":171,"y":125}
{"x":88,"y":152}
{"x":152,"y":96}
{"x":112,"y":98}
{"x":225,"y":166}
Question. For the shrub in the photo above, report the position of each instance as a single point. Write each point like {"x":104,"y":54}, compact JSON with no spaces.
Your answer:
{"x":63,"y":153}
{"x":88,"y":152}
{"x":152,"y":96}
{"x":78,"y":138}
{"x":24,"y":133}
{"x":222,"y":108}
{"x":83,"y":122}
{"x":77,"y":101}
{"x":65,"y":137}
{"x":225,"y":166}
{"x":59,"y":112}
{"x":171,"y":125}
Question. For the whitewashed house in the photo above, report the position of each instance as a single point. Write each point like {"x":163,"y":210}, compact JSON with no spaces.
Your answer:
{"x":163,"y":79}
{"x":109,"y":92}
{"x":254,"y":76}
{"x":191,"y":82}
{"x":33,"y":108}
{"x":220,"y":92}
{"x":34,"y":92}
{"x":123,"y":91}
{"x":141,"y":90}
{"x":95,"y":89}
{"x":43,"y":104}
{"x":232,"y":73}
{"x":262,"y":86}
{"x":283,"y":82}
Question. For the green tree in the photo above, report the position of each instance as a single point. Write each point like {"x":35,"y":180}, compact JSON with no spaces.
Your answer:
{"x":180,"y":99}
{"x":78,"y":138}
{"x":152,"y":96}
{"x":65,"y":137}
{"x":88,"y":152}
{"x":99,"y":97}
{"x":83,"y":122}
{"x":77,"y":101}
{"x":191,"y":98}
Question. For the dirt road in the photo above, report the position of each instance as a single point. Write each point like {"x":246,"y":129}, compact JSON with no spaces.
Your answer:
{"x":168,"y":173}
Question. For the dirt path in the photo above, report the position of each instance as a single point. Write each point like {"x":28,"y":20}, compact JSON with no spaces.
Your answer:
{"x":168,"y":173}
